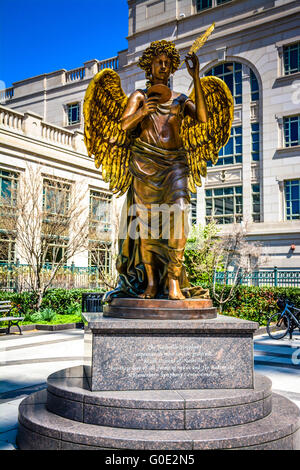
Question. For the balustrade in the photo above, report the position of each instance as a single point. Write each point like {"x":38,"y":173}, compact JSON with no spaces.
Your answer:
{"x":11,"y":118}
{"x":57,"y":134}
{"x":75,"y":74}
{"x":6,"y":94}
{"x":112,"y":63}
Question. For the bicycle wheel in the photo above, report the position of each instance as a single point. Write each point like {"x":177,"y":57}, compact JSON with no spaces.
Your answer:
{"x":278,"y":326}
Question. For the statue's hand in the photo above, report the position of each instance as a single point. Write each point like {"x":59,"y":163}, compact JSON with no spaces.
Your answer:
{"x":194,"y":68}
{"x":150,"y":105}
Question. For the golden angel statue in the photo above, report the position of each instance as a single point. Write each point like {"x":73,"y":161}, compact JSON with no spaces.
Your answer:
{"x":155,"y":145}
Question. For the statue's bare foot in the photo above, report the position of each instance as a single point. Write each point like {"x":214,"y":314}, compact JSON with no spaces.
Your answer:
{"x":174,"y":290}
{"x":149,"y":293}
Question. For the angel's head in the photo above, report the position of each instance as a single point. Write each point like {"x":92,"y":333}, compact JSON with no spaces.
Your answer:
{"x":159,"y":55}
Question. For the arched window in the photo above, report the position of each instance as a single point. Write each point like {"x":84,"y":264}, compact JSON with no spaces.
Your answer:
{"x":231,"y":73}
{"x":224,"y":198}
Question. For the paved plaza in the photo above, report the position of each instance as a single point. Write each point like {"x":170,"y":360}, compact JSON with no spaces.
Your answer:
{"x":27,"y":360}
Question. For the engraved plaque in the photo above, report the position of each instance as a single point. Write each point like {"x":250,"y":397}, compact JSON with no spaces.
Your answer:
{"x":171,"y":362}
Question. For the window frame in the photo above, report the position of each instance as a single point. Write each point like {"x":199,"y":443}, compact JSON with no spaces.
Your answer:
{"x":13,"y":177}
{"x":107,"y":198}
{"x":235,"y":215}
{"x":289,"y":144}
{"x":286,"y":208}
{"x":284,"y":49}
{"x":237,"y":97}
{"x":214,"y":4}
{"x":255,"y":193}
{"x":68,"y":106}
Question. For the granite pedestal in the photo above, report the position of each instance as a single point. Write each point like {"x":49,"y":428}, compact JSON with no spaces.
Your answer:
{"x":161,"y":385}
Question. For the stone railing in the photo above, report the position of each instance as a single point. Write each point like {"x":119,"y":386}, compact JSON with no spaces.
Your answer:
{"x":11,"y":118}
{"x":61,"y":77}
{"x":6,"y":94}
{"x":75,"y":74}
{"x":33,"y":126}
{"x":112,"y":63}
{"x":56,"y":134}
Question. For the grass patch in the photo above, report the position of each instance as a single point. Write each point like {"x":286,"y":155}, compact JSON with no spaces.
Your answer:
{"x":58,"y":320}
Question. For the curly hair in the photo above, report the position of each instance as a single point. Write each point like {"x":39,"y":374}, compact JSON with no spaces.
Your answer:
{"x":155,"y":49}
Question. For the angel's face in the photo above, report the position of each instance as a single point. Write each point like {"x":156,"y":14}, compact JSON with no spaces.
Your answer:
{"x":161,"y":69}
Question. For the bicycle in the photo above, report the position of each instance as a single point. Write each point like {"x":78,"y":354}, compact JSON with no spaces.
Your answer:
{"x":281,"y":323}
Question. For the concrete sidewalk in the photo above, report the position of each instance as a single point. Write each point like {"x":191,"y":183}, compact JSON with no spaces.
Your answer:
{"x":27,"y":360}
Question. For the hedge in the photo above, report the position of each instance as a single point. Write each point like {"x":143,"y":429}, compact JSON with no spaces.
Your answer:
{"x":57,"y":299}
{"x":257,"y":303}
{"x":249,"y":303}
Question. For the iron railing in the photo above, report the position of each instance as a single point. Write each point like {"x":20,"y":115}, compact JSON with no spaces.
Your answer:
{"x":15,"y":276}
{"x":274,"y":277}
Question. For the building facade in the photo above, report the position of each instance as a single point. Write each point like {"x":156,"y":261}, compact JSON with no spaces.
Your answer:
{"x":52,"y":162}
{"x":255,"y":49}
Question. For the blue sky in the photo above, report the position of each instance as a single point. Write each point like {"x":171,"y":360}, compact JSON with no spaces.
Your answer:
{"x":40,"y":36}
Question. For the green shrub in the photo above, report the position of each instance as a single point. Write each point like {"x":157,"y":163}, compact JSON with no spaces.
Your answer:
{"x":47,"y":314}
{"x":258,"y":303}
{"x":249,"y":303}
{"x":74,"y":309}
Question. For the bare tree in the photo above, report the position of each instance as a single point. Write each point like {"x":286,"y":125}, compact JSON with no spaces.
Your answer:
{"x":238,"y":257}
{"x":50,"y":222}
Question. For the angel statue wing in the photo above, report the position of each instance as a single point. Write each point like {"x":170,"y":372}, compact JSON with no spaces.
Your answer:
{"x":203,"y":141}
{"x":104,"y":103}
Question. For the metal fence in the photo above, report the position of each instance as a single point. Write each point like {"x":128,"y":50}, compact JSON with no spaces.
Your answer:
{"x":15,"y":277}
{"x":275,"y":277}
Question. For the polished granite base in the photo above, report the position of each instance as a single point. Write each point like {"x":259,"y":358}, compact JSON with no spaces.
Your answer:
{"x":161,"y":385}
{"x":41,"y":429}
{"x":135,"y":354}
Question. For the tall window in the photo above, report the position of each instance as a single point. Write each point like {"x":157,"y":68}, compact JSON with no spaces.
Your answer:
{"x":291,"y":58}
{"x":292,"y":199}
{"x":232,"y":152}
{"x":8,"y":188}
{"x":100,"y":256}
{"x":100,"y":211}
{"x":231,"y":73}
{"x":291,"y":131}
{"x":254,"y":86}
{"x":73,"y":111}
{"x":56,"y":197}
{"x":203,"y":4}
{"x":8,"y":201}
{"x":255,"y":141}
{"x":56,"y":251}
{"x":225,"y":205}
{"x":7,"y":247}
{"x":256,"y":202}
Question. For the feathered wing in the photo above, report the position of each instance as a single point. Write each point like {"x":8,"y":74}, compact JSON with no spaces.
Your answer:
{"x":104,"y":138}
{"x":203,"y":141}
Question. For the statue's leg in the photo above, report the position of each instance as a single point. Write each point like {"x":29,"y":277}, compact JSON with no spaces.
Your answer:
{"x":176,"y":246}
{"x":146,"y":253}
{"x":148,"y":262}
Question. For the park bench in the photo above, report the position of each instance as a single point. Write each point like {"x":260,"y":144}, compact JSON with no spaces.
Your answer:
{"x":5,"y":308}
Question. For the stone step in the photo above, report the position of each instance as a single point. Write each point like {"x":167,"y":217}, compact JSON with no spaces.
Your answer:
{"x":41,"y":429}
{"x":69,"y":396}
